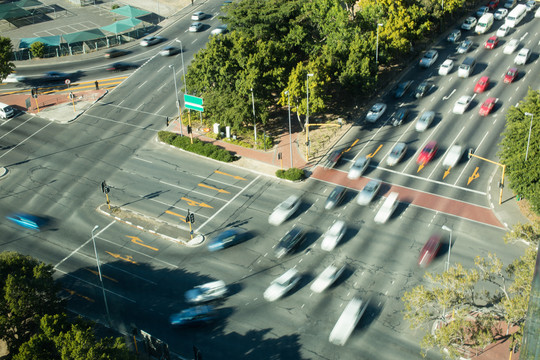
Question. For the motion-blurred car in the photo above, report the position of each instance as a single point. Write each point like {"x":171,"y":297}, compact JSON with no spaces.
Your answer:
{"x":481,"y":85}
{"x":14,"y":78}
{"x":284,"y":210}
{"x":368,"y":192}
{"x":227,"y":238}
{"x":399,"y":117}
{"x":453,"y":155}
{"x":464,"y":46}
{"x":397,"y":153}
{"x":387,"y":209}
{"x":376,"y":112}
{"x":121,"y":66}
{"x":429,"y":58}
{"x":290,"y":241}
{"x":347,"y":321}
{"x":492,"y":5}
{"x":424,"y":121}
{"x":487,"y":106}
{"x":522,"y":56}
{"x":481,"y":11}
{"x":462,"y":104}
{"x":358,"y":167}
{"x":500,"y":14}
{"x":537,"y":13}
{"x":454,"y":36}
{"x":491,"y":43}
{"x":151,"y":40}
{"x":503,"y":30}
{"x":429,"y":251}
{"x":55,"y":76}
{"x":195,"y":27}
{"x":333,"y":235}
{"x":511,"y":46}
{"x":422,"y":89}
{"x":531,"y":4}
{"x":282,"y":285}
{"x":446,"y":67}
{"x":333,"y":159}
{"x":402,"y":88}
{"x":199,"y":15}
{"x":469,"y":23}
{"x":26,"y":220}
{"x":510,"y":75}
{"x":221,"y":29}
{"x":196,"y":315}
{"x":115,"y":53}
{"x":206,"y":292}
{"x":427,"y":153}
{"x":169,"y":51}
{"x":335,"y":197}
{"x":326,"y":278}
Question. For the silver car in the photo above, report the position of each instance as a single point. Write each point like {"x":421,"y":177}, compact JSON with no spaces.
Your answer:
{"x":358,"y":168}
{"x":397,"y":153}
{"x":424,"y":121}
{"x":206,"y":292}
{"x":376,"y":112}
{"x":368,"y":192}
{"x":464,"y":46}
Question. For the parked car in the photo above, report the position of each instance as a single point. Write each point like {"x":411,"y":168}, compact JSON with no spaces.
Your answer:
{"x":112,"y":53}
{"x":151,"y":40}
{"x":368,"y":192}
{"x":399,"y":117}
{"x":462,"y":104}
{"x":500,"y":14}
{"x":397,"y":153}
{"x":292,"y":239}
{"x":375,"y":112}
{"x":491,"y":43}
{"x":282,"y":285}
{"x":453,"y":155}
{"x":402,"y":88}
{"x":454,"y":36}
{"x":487,"y":106}
{"x":195,"y":27}
{"x":464,"y":46}
{"x":522,"y":56}
{"x":427,"y":153}
{"x":469,"y":23}
{"x":429,"y":58}
{"x":424,"y":121}
{"x":284,"y":210}
{"x":358,"y":167}
{"x":326,"y":278}
{"x":481,"y":85}
{"x":335,"y":197}
{"x":446,"y":67}
{"x":333,"y":235}
{"x":422,"y":89}
{"x":510,"y":75}
{"x":196,"y":315}
{"x":429,"y":251}
{"x":511,"y":46}
{"x":227,"y":239}
{"x":206,"y":292}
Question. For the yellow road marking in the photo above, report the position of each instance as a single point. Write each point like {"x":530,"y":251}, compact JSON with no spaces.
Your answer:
{"x":138,"y":241}
{"x":475,"y":175}
{"x":376,"y":151}
{"x":175,"y":214}
{"x":105,"y":276}
{"x":350,"y":147}
{"x":196,"y":203}
{"x":128,"y":258}
{"x":213,"y":188}
{"x":447,"y":172}
{"x":233,"y":176}
{"x":73,"y":292}
{"x":420,"y":167}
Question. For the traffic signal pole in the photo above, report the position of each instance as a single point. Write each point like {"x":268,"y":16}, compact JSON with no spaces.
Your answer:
{"x":501,"y":183}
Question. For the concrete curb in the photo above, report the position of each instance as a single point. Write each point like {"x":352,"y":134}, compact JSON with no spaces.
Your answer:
{"x":92,"y":104}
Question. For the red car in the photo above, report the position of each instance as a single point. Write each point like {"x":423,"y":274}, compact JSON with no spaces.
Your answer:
{"x":492,"y":4}
{"x":491,"y":42}
{"x":430,"y":249}
{"x":427,"y":153}
{"x":481,"y":85}
{"x":510,"y":75}
{"x":487,"y":106}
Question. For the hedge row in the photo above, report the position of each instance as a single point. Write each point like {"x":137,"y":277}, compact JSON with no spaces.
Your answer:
{"x":198,"y":147}
{"x":293,"y":174}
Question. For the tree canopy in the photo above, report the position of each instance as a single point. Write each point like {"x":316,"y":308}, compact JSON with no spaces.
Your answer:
{"x":6,"y":53}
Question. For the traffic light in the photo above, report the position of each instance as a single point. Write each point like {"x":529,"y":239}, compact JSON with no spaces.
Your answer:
{"x":192,"y":218}
{"x":34,"y":92}
{"x":167,"y":120}
{"x":189,"y":130}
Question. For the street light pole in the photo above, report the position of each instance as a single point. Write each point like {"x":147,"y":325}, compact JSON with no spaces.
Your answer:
{"x":290,"y":135}
{"x":100,"y":278}
{"x":307,"y":117}
{"x":530,"y":128}
{"x":183,"y":68}
{"x":254,"y":121}
{"x":177,"y":101}
{"x":446,"y":228}
{"x":377,"y":47}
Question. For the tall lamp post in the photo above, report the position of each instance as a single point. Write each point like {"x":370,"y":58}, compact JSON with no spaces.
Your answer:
{"x":183,"y":68}
{"x":254,"y":120}
{"x":177,"y":101}
{"x":100,"y":278}
{"x":290,"y":135}
{"x":446,"y":228}
{"x":530,"y":128}
{"x":307,"y":117}
{"x":377,"y":47}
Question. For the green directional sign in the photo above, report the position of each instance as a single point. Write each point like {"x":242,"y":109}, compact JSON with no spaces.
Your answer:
{"x":193,"y":102}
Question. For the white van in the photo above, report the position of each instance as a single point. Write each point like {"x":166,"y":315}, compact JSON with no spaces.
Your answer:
{"x":347,"y":321}
{"x":467,"y":67}
{"x":387,"y":208}
{"x":6,"y":111}
{"x":484,"y":23}
{"x":515,"y":16}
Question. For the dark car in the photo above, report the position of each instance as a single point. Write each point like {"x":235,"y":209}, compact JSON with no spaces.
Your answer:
{"x":402,"y":88}
{"x":227,"y":238}
{"x":115,"y":53}
{"x":53,"y":76}
{"x":290,"y":241}
{"x":422,"y":89}
{"x":335,"y":197}
{"x":333,"y":158}
{"x":399,"y":117}
{"x":196,"y":315}
{"x":121,"y":66}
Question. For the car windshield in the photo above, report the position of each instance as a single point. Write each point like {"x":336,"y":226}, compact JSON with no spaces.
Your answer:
{"x":334,"y":194}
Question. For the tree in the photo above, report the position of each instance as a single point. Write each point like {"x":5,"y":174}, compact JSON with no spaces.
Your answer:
{"x":523,"y":175}
{"x":529,"y":233}
{"x":28,"y":293}
{"x":37,"y":49}
{"x":6,"y":54}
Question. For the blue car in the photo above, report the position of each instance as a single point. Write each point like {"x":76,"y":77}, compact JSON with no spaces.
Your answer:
{"x":227,"y":238}
{"x":25,"y":220}
{"x":193,"y":316}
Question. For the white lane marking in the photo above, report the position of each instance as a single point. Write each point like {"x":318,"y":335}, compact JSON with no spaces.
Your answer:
{"x":27,"y":138}
{"x":448,"y":96}
{"x":438,"y":166}
{"x":96,"y":286}
{"x":475,"y":151}
{"x":140,"y":159}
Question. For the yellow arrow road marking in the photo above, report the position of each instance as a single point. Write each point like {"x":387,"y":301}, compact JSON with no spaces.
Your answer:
{"x":105,"y":276}
{"x":376,"y":151}
{"x":233,"y":176}
{"x":475,"y":175}
{"x":138,"y":241}
{"x":73,"y":292}
{"x":350,"y":147}
{"x":195,"y":203}
{"x":447,"y":172}
{"x":420,"y":167}
{"x":213,"y":188}
{"x":175,"y":214}
{"x":128,"y":258}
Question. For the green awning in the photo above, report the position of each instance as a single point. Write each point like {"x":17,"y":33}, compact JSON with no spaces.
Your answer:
{"x":13,"y":13}
{"x":83,"y":36}
{"x":47,"y":40}
{"x":121,"y":26}
{"x":130,"y":11}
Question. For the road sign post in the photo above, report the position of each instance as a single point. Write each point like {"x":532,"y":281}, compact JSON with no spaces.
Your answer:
{"x":192,"y":103}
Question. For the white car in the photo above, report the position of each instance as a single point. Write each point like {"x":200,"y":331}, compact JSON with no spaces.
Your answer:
{"x":282,"y":285}
{"x":151,"y":40}
{"x":358,"y":167}
{"x":522,"y":56}
{"x":221,"y":29}
{"x":376,"y":112}
{"x":537,"y":13}
{"x":503,"y":30}
{"x":446,"y":67}
{"x":347,"y":321}
{"x":453,"y":156}
{"x":284,"y":210}
{"x":368,"y":192}
{"x":462,"y":104}
{"x":195,"y":27}
{"x":14,"y":78}
{"x":206,"y":292}
{"x":469,"y":23}
{"x":387,"y":209}
{"x":326,"y":278}
{"x":531,"y":4}
{"x":511,"y":46}
{"x":500,"y":14}
{"x":199,"y":15}
{"x":398,"y":151}
{"x":333,"y":235}
{"x":424,"y":121}
{"x":169,"y":50}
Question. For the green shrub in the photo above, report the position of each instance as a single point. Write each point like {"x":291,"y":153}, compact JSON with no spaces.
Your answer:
{"x":293,"y":174}
{"x":198,"y":147}
{"x":115,"y":6}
